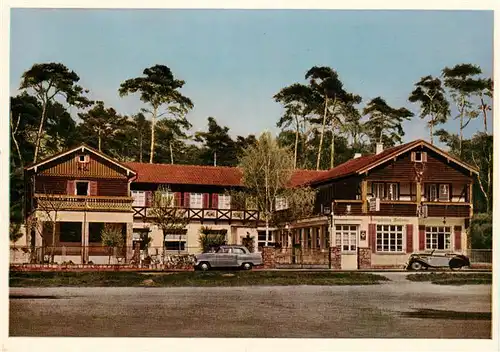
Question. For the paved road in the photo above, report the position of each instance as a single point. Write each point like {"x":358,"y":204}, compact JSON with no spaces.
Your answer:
{"x":293,"y":311}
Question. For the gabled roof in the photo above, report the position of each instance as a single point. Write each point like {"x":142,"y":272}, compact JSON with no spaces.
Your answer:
{"x":365,"y":163}
{"x":203,"y":175}
{"x":81,"y":147}
{"x":186,"y":174}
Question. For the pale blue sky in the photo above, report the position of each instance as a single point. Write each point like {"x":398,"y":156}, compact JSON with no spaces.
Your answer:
{"x":234,"y":61}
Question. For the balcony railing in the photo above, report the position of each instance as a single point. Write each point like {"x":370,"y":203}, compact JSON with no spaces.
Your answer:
{"x":204,"y":214}
{"x":69,"y":202}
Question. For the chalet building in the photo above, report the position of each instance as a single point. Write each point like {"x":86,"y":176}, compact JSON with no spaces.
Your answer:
{"x":412,"y":197}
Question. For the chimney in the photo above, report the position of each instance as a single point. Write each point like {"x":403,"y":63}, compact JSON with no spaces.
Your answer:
{"x":380,"y":148}
{"x":357,"y":155}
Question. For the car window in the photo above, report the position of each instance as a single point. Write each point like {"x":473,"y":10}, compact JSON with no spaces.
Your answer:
{"x":238,"y":251}
{"x":224,"y":250}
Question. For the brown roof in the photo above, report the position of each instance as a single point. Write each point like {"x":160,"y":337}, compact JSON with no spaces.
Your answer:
{"x":354,"y":165}
{"x":203,"y":175}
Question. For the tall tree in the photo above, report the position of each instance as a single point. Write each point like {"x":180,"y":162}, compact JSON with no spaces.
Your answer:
{"x":141,"y":127}
{"x":429,"y":93}
{"x":326,"y":85}
{"x":47,"y":81}
{"x":267,"y":170}
{"x":296,"y":101}
{"x":485,"y":92}
{"x":461,"y":82}
{"x":100,"y":123}
{"x":158,"y":87}
{"x":218,"y":148}
{"x":384,"y":122}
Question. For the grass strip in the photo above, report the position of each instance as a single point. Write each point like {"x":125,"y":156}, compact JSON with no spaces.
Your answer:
{"x":453,"y":279}
{"x":189,"y":279}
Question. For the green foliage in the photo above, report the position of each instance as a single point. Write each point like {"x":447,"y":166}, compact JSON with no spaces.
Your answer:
{"x":429,"y":93}
{"x":112,"y":235}
{"x":15,"y":232}
{"x":208,"y":239}
{"x":249,"y":242}
{"x":481,"y":231}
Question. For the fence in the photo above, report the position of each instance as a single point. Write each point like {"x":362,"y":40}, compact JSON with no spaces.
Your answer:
{"x":297,"y":257}
{"x":97,"y":255}
{"x":480,"y":256}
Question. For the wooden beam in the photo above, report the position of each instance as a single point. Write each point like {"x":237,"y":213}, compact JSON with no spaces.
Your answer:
{"x":471,"y":209}
{"x":364,"y":191}
{"x":419,"y":192}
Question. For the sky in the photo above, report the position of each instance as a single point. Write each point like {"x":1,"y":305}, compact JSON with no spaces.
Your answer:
{"x":234,"y":61}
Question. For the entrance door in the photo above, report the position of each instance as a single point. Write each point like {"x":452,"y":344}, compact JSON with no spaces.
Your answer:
{"x":346,"y":237}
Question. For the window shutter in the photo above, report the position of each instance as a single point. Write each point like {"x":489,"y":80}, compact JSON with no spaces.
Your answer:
{"x":186,"y":200}
{"x":206,"y":200}
{"x":215,"y":201}
{"x":93,"y":188}
{"x":458,"y":237}
{"x":178,"y":199}
{"x":70,"y":187}
{"x":421,"y":237}
{"x":424,"y":157}
{"x":409,"y":238}
{"x":149,"y":198}
{"x":412,"y":156}
{"x":372,"y":236}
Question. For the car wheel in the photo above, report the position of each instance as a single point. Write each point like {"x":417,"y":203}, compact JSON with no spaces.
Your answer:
{"x":456,"y":264}
{"x":246,"y":266}
{"x":204,"y":266}
{"x":416,"y":266}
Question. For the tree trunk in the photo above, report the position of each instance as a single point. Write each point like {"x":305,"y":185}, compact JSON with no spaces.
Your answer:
{"x":322,"y":133}
{"x":140,"y":147}
{"x":171,"y":153}
{"x":483,"y":109}
{"x":99,"y":139}
{"x":13,"y":132}
{"x":296,"y":143}
{"x":431,"y":131}
{"x":153,"y":124}
{"x":332,"y":150}
{"x":40,"y":131}
{"x":53,"y":238}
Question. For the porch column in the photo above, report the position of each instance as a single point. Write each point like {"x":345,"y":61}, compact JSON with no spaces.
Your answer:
{"x":419,"y":193}
{"x":128,"y":241}
{"x":364,"y":191}
{"x":85,"y":242}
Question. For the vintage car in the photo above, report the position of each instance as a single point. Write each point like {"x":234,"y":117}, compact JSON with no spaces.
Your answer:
{"x":228,"y":257}
{"x":424,"y":261}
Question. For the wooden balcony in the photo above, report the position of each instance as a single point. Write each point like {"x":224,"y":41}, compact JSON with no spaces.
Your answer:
{"x":448,"y":209}
{"x":57,"y":202}
{"x":343,"y":207}
{"x":217,"y":215}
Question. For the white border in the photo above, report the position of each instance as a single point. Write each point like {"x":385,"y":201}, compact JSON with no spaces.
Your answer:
{"x":136,"y":344}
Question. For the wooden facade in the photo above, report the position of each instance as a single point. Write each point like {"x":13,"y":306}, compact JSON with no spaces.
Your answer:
{"x":350,"y":194}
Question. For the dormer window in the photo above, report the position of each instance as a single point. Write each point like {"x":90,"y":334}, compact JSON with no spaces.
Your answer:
{"x":83,"y":158}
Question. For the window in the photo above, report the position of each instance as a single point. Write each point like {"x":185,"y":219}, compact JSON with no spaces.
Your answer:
{"x":438,"y":237}
{"x":346,"y":236}
{"x":167,"y":199}
{"x":418,"y":157}
{"x":175,"y":245}
{"x":432,"y":193}
{"x":196,"y":200}
{"x":318,"y":237}
{"x":139,"y":198}
{"x":224,"y":201}
{"x":95,"y":229}
{"x":389,"y":238}
{"x":70,"y":232}
{"x":378,"y":190}
{"x":261,"y":237}
{"x":392,"y":191}
{"x":309,"y":238}
{"x":444,"y":192}
{"x":238,"y":251}
{"x":83,"y":158}
{"x":281,"y":203}
{"x":82,"y":188}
